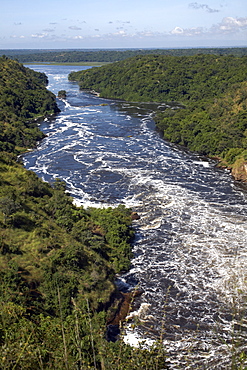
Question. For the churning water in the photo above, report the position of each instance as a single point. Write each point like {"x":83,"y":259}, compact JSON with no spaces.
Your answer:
{"x":190,"y":252}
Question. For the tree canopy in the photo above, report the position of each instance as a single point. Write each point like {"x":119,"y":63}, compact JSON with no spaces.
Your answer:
{"x":23,"y":98}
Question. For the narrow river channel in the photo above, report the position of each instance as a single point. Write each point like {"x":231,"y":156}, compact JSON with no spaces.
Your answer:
{"x":190,"y":252}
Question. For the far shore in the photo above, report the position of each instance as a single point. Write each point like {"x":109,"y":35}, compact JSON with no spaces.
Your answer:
{"x":69,"y":63}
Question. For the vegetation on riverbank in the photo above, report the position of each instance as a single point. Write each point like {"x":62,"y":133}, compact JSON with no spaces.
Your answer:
{"x":57,"y":261}
{"x":24,"y":98}
{"x":212,"y":89}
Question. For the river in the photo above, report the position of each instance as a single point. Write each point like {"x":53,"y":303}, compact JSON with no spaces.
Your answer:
{"x":190,"y":255}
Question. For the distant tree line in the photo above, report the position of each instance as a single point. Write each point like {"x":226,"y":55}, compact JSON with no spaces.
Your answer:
{"x":79,"y":56}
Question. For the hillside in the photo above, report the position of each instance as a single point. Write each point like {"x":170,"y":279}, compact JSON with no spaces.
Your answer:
{"x":217,"y":129}
{"x":23,"y":98}
{"x":211,"y":88}
{"x":57,"y":261}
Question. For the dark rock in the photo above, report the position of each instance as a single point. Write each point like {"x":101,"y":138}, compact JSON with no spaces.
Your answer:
{"x":135,"y":216}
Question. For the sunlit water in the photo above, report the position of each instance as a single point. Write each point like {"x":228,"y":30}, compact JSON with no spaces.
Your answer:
{"x":190,"y":255}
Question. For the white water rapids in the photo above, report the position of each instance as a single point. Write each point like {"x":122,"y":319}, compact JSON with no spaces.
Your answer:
{"x":190,"y":252}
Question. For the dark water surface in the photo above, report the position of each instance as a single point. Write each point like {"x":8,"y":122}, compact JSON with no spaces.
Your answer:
{"x":190,"y":249}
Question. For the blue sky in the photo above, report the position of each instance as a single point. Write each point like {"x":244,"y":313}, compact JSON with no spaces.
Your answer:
{"x":58,"y":24}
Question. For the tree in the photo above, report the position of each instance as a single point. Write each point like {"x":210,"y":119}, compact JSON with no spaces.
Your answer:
{"x":8,"y":206}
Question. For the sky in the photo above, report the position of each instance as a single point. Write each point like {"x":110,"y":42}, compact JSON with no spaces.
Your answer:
{"x":80,"y":24}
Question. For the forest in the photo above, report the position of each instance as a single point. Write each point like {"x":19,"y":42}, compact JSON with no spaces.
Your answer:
{"x":212,"y":90}
{"x":109,"y":56}
{"x":58,"y":262}
{"x":23,"y":99}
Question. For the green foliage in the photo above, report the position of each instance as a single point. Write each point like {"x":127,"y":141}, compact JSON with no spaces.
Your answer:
{"x":57,"y":278}
{"x":62,"y":94}
{"x":164,"y":78}
{"x":79,"y":56}
{"x":23,"y":98}
{"x":114,"y":224}
{"x":74,"y":342}
{"x":216,"y":129}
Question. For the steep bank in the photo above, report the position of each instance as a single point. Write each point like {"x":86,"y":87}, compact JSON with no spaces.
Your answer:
{"x":24,"y":98}
{"x":216,"y":129}
{"x":239,"y":169}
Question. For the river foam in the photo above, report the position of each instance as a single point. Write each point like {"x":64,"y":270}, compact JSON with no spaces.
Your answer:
{"x":190,"y":256}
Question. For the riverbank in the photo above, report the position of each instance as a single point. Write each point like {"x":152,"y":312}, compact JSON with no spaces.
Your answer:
{"x":238,"y":169}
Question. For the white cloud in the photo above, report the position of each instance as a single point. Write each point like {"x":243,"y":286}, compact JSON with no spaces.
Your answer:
{"x":39,"y":35}
{"x":230,"y":25}
{"x":194,"y":31}
{"x":177,"y":31}
{"x":78,"y":37}
{"x":17,"y":37}
{"x":147,"y":34}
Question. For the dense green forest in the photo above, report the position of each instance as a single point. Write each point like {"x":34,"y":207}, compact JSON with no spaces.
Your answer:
{"x":109,"y":56}
{"x":23,"y":98}
{"x":212,"y":89}
{"x":58,"y":261}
